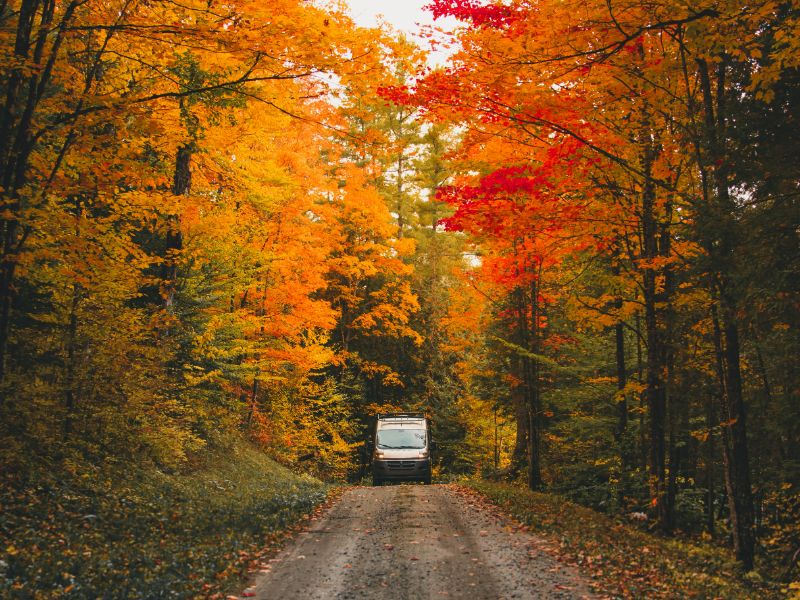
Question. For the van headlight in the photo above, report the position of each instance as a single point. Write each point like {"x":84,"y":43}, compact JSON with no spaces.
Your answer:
{"x":379,"y":454}
{"x":423,"y":454}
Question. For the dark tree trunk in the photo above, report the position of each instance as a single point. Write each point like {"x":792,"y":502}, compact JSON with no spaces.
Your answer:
{"x":71,"y":346}
{"x":622,"y":381}
{"x":14,"y":152}
{"x":534,"y":425}
{"x":643,"y":454}
{"x":719,"y":235}
{"x":709,"y":460}
{"x":533,"y":392}
{"x":740,"y":495}
{"x":622,"y":373}
{"x":528,"y":400}
{"x":655,"y":392}
{"x":518,"y":456}
{"x":621,"y":398}
{"x":181,"y":186}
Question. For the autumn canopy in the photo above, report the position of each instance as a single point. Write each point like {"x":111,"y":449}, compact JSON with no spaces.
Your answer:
{"x":574,"y":246}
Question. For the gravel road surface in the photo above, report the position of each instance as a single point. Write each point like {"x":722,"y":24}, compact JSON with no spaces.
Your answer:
{"x":412,"y":542}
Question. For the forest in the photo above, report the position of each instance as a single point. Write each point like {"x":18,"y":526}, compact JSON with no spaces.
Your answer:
{"x":247,"y":227}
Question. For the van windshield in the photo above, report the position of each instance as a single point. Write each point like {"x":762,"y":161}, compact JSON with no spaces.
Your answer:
{"x":401,"y":438}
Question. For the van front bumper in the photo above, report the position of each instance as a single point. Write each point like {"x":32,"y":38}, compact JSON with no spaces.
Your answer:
{"x":395,"y":468}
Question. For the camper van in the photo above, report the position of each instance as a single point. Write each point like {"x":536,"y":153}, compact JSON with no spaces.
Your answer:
{"x":401,"y":448}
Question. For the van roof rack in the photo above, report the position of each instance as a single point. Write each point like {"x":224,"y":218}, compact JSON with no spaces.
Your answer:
{"x":401,"y":415}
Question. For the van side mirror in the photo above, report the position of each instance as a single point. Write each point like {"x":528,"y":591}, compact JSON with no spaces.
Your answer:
{"x":433,"y":445}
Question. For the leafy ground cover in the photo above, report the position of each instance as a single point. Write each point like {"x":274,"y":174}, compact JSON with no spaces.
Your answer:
{"x":147,"y":534}
{"x":623,"y":560}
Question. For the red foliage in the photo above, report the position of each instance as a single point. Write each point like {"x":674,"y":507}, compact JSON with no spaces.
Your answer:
{"x":474,"y":11}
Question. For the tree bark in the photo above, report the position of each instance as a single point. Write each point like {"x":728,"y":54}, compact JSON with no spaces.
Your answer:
{"x":518,"y":456}
{"x":719,"y":237}
{"x":181,"y":186}
{"x":622,"y":373}
{"x":533,"y":393}
{"x":709,"y":460}
{"x":655,"y":392}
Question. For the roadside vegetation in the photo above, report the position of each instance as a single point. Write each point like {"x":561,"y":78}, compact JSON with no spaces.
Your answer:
{"x":621,"y":557}
{"x":128,"y":532}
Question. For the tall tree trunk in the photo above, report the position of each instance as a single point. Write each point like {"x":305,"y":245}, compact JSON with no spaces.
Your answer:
{"x":655,"y":392}
{"x":519,"y":454}
{"x":720,"y":236}
{"x":14,"y":152}
{"x":622,"y":374}
{"x":72,"y":338}
{"x":674,"y":407}
{"x":740,"y":495}
{"x":496,"y":452}
{"x":71,"y":346}
{"x":533,"y":393}
{"x":621,"y":399}
{"x":643,"y":454}
{"x":709,"y":460}
{"x":181,"y":186}
{"x":622,"y":381}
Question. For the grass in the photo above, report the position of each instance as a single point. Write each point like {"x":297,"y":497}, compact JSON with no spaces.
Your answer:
{"x":622,"y":560}
{"x":147,"y":534}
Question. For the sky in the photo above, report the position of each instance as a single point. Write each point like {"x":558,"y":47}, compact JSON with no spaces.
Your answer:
{"x":403,"y":15}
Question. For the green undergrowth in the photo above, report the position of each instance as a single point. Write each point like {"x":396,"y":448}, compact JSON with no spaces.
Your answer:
{"x":146,"y":534}
{"x":622,"y":560}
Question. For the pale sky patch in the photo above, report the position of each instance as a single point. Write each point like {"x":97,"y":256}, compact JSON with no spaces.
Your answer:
{"x":406,"y":16}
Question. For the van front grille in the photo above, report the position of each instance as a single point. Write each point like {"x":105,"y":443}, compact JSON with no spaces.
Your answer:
{"x":400,"y":464}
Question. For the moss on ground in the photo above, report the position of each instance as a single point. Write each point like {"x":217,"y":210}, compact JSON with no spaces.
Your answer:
{"x":106,"y":533}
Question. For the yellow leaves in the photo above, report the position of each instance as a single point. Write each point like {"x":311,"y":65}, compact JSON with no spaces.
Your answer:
{"x":604,"y":320}
{"x":657,"y":263}
{"x":392,"y":379}
{"x":600,"y":380}
{"x":405,"y":246}
{"x":389,"y":320}
{"x":634,"y":388}
{"x":766,"y":96}
{"x":794,"y":590}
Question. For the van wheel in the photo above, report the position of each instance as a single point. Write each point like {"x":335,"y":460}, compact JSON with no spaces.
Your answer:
{"x":427,"y":480}
{"x":377,"y":481}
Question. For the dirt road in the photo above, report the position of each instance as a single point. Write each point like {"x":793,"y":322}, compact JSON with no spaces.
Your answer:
{"x":412,"y":542}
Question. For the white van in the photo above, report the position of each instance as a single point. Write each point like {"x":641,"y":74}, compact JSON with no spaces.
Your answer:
{"x":401,"y":448}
